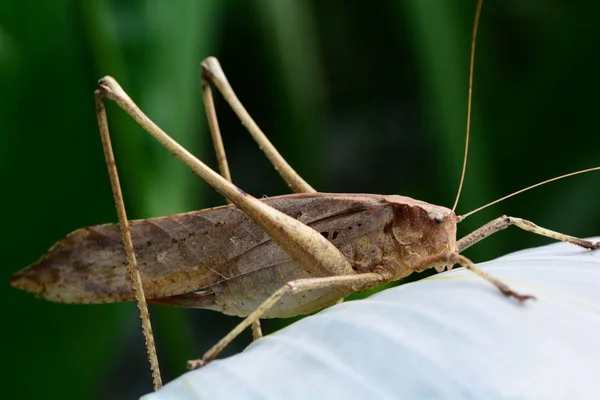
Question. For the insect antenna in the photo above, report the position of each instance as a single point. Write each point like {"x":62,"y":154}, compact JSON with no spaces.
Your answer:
{"x":470,"y":98}
{"x":462,"y":217}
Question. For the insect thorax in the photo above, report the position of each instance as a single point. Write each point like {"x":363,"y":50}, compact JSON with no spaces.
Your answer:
{"x":411,"y":231}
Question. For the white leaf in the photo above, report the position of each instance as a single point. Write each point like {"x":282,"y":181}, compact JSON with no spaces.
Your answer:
{"x":451,"y":336}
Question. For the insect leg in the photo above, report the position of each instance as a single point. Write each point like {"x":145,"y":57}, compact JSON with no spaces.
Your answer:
{"x":215,"y":132}
{"x":357,"y":282}
{"x":300,"y":241}
{"x":211,"y":70}
{"x":456,"y":258}
{"x":504,"y":222}
{"x":127,"y":242}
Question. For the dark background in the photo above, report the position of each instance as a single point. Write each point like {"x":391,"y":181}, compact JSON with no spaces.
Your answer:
{"x":359,"y":98}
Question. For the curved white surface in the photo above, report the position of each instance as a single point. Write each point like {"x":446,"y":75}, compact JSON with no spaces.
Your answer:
{"x":451,"y":336}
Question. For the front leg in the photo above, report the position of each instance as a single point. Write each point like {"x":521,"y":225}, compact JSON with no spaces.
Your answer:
{"x":452,"y":257}
{"x":504,"y":222}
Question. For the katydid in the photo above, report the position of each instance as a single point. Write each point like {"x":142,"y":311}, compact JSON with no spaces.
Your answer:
{"x":276,"y":257}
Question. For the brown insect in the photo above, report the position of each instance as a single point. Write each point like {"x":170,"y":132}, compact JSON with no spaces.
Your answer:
{"x":277,"y":257}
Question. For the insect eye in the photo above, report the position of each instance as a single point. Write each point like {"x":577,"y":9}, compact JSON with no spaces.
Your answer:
{"x":437,"y":221}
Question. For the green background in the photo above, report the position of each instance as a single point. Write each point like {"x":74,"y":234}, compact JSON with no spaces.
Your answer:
{"x":358,"y":98}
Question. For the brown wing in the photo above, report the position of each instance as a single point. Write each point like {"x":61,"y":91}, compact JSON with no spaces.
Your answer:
{"x":176,"y":254}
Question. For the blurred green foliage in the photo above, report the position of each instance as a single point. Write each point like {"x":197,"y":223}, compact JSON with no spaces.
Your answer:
{"x":359,"y":98}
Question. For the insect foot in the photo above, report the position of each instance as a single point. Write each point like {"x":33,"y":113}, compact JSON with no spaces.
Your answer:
{"x":511,"y":293}
{"x":195,"y":364}
{"x":457,"y":258}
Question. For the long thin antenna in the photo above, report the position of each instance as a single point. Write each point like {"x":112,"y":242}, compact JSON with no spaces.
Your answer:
{"x":462,"y":217}
{"x":471,"y":67}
